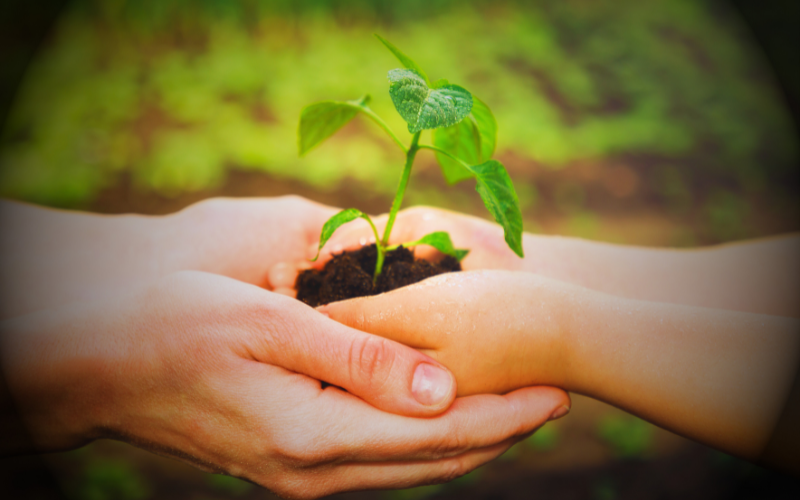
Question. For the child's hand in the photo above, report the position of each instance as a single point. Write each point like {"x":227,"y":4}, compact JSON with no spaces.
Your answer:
{"x":495,"y":330}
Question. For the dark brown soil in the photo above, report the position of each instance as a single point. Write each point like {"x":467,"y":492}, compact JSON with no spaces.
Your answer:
{"x":349,"y":275}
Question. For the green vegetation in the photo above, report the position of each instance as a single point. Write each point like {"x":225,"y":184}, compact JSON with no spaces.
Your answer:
{"x":172,"y":95}
{"x":628,"y":436}
{"x":544,"y":439}
{"x":230,"y":485}
{"x":110,"y":480}
{"x":470,"y":133}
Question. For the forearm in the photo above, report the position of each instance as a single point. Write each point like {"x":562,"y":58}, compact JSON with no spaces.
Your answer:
{"x":52,"y":257}
{"x":54,"y":384}
{"x":719,"y":377}
{"x":759,"y":276}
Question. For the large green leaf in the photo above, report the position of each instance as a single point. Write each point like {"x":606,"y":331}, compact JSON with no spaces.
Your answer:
{"x":406,"y":61}
{"x":497,"y":192}
{"x":461,"y":140}
{"x":423,"y":107}
{"x":441,"y":241}
{"x":472,"y":140}
{"x":487,"y":127}
{"x":332,"y":224}
{"x":321,"y":120}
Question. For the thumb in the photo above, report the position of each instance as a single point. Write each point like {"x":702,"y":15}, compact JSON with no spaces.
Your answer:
{"x":388,"y":375}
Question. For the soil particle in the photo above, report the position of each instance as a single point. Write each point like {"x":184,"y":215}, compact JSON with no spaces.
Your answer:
{"x":349,"y":275}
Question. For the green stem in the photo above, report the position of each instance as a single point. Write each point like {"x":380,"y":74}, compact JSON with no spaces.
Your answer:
{"x":381,"y":250}
{"x":401,"y":189}
{"x":398,"y":200}
{"x":434,"y":148}
{"x":384,"y":126}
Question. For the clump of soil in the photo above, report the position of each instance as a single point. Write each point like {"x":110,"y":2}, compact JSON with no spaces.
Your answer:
{"x":349,"y":274}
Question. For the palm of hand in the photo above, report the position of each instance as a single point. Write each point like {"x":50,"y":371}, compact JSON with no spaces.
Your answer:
{"x":484,"y":240}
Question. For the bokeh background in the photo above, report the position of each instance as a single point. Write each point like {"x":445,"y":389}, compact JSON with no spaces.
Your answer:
{"x":651,"y":123}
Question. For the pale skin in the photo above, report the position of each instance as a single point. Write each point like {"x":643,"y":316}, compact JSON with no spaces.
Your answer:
{"x":153,"y":331}
{"x":703,"y":343}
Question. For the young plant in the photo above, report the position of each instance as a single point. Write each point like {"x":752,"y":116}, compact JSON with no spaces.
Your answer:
{"x":464,"y":138}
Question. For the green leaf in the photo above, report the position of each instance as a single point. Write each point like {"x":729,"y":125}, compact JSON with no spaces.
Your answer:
{"x":461,"y":140}
{"x":332,"y":224}
{"x":472,"y":140}
{"x":321,"y":120}
{"x":497,"y":192}
{"x":487,"y":127}
{"x":441,"y":241}
{"x":425,"y":108}
{"x":406,"y":61}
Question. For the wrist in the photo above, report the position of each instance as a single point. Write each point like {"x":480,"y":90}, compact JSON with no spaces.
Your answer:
{"x":580,"y":329}
{"x":49,"y":382}
{"x":548,"y":311}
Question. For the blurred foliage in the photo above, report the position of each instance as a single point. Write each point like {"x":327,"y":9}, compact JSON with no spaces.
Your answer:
{"x":114,"y":479}
{"x":544,"y":439}
{"x":628,"y":436}
{"x":230,"y":485}
{"x":176,"y":92}
{"x":418,"y":493}
{"x":605,"y":489}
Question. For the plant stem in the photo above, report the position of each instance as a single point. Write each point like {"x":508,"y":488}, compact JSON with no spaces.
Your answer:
{"x":434,"y":148}
{"x":381,"y":250}
{"x":398,"y":200}
{"x":367,"y":111}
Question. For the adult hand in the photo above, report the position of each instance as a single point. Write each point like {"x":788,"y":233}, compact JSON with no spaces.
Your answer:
{"x":49,"y":258}
{"x":245,"y":239}
{"x":221,"y":374}
{"x":495,"y":330}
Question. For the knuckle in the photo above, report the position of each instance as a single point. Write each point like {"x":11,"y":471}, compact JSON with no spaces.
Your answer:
{"x":358,"y":318}
{"x":291,"y":485}
{"x":452,"y":441}
{"x":305,"y":448}
{"x":302,"y":452}
{"x":371,"y":361}
{"x":454,"y":469}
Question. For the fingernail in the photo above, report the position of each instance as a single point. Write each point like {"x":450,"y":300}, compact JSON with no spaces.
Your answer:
{"x":431,"y":384}
{"x":560,"y":412}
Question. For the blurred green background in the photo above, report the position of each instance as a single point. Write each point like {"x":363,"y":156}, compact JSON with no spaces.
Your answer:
{"x":660,"y":119}
{"x":655,"y":123}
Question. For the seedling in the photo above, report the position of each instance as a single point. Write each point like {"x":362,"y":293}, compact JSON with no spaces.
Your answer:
{"x":464,"y":138}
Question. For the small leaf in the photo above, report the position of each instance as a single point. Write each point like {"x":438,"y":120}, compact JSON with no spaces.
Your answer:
{"x":321,"y":120}
{"x":333,"y":224}
{"x":441,"y":82}
{"x":497,"y":192}
{"x":425,"y":108}
{"x":406,"y":61}
{"x":472,"y":140}
{"x":441,"y":241}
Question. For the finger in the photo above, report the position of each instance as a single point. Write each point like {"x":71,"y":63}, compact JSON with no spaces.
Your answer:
{"x":282,"y":275}
{"x":289,"y":292}
{"x":363,"y":433}
{"x":388,"y":375}
{"x":315,"y":214}
{"x":415,"y":315}
{"x":394,"y":475}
